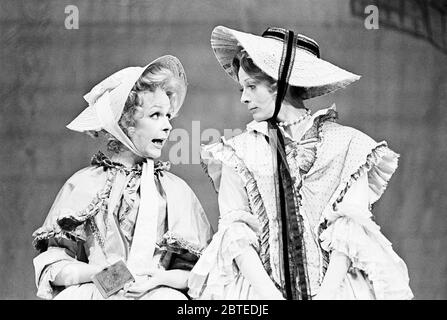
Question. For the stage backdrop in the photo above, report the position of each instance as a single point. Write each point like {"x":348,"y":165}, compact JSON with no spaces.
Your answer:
{"x":49,"y":61}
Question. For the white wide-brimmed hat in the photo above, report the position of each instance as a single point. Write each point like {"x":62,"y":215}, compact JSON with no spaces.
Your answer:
{"x":316,"y":76}
{"x":107,"y":99}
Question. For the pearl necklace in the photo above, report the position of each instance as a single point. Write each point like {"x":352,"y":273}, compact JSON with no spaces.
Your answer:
{"x":288,"y":124}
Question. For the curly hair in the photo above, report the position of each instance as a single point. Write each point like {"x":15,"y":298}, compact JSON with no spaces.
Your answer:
{"x":242,"y":59}
{"x":155,"y":76}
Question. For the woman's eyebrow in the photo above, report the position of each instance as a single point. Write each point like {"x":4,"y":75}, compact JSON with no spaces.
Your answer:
{"x":246,"y":81}
{"x":159,"y":108}
{"x":249,"y":80}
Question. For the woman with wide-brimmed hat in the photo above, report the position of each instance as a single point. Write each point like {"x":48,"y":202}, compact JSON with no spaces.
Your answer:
{"x":295,"y":190}
{"x":124,"y":217}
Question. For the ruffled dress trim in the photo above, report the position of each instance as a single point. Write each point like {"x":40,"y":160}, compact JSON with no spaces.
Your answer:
{"x":101,"y":160}
{"x":213,"y":156}
{"x":380,"y":165}
{"x":353,"y":232}
{"x":177,"y":252}
{"x":216,"y":268}
{"x":238,"y":230}
{"x":305,"y":154}
{"x":69,"y":224}
{"x":226,"y":155}
{"x":43,"y":234}
{"x":369,"y":251}
{"x":175,"y":243}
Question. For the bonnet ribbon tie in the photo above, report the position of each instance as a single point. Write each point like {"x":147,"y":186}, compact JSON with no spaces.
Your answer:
{"x":141,"y":253}
{"x":291,"y":224}
{"x":143,"y":243}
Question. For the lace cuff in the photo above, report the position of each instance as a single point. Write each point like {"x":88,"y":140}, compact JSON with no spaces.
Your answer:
{"x":216,"y":267}
{"x":369,"y":251}
{"x":178,"y":253}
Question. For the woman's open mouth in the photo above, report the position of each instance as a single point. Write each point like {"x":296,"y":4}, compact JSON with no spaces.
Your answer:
{"x":158,"y":142}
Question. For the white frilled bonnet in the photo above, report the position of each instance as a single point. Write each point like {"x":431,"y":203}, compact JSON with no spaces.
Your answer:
{"x":107,"y":99}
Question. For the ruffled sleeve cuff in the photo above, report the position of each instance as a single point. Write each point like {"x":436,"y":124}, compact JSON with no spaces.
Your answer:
{"x":43,"y":235}
{"x":360,"y":239}
{"x":178,"y":253}
{"x":216,"y":267}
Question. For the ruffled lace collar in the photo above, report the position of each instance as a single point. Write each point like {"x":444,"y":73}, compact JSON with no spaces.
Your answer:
{"x":101,"y":160}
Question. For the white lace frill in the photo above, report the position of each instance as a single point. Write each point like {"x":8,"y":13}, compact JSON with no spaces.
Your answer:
{"x":352,"y":231}
{"x":216,"y":273}
{"x":216,"y":268}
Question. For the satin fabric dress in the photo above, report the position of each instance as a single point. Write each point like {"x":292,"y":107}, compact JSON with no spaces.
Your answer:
{"x":183,"y":229}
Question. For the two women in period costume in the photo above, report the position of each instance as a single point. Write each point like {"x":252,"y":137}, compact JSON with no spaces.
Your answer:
{"x":295,"y":189}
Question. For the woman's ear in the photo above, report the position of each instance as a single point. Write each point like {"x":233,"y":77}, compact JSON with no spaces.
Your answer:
{"x":138,"y":113}
{"x":131,"y":131}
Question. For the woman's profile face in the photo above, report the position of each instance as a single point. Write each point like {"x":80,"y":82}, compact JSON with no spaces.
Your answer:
{"x":152,"y":124}
{"x":257,"y":96}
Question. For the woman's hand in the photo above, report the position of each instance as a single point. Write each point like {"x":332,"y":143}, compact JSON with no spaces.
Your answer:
{"x":140,"y":287}
{"x":76,"y":273}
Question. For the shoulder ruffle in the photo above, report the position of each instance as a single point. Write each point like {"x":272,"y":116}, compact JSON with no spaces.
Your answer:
{"x":215,"y":155}
{"x":379,"y":165}
{"x":355,"y":153}
{"x":74,"y":205}
{"x":69,"y":220}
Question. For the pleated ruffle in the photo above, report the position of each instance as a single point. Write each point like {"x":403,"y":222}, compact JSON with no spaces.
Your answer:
{"x":216,"y":268}
{"x":353,"y":233}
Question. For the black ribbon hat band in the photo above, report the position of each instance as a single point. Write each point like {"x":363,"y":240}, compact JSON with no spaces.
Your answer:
{"x":301,"y":41}
{"x":293,"y":251}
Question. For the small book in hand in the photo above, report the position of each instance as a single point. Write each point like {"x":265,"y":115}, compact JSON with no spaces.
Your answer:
{"x":112,"y":279}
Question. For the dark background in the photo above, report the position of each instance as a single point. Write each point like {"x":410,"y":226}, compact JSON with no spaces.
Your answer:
{"x":46,"y":69}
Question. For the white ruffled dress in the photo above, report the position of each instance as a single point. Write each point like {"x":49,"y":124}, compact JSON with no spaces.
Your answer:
{"x":339,"y":173}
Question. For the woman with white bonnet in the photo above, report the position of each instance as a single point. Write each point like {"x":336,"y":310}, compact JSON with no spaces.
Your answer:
{"x":124,"y":227}
{"x":295,"y":189}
